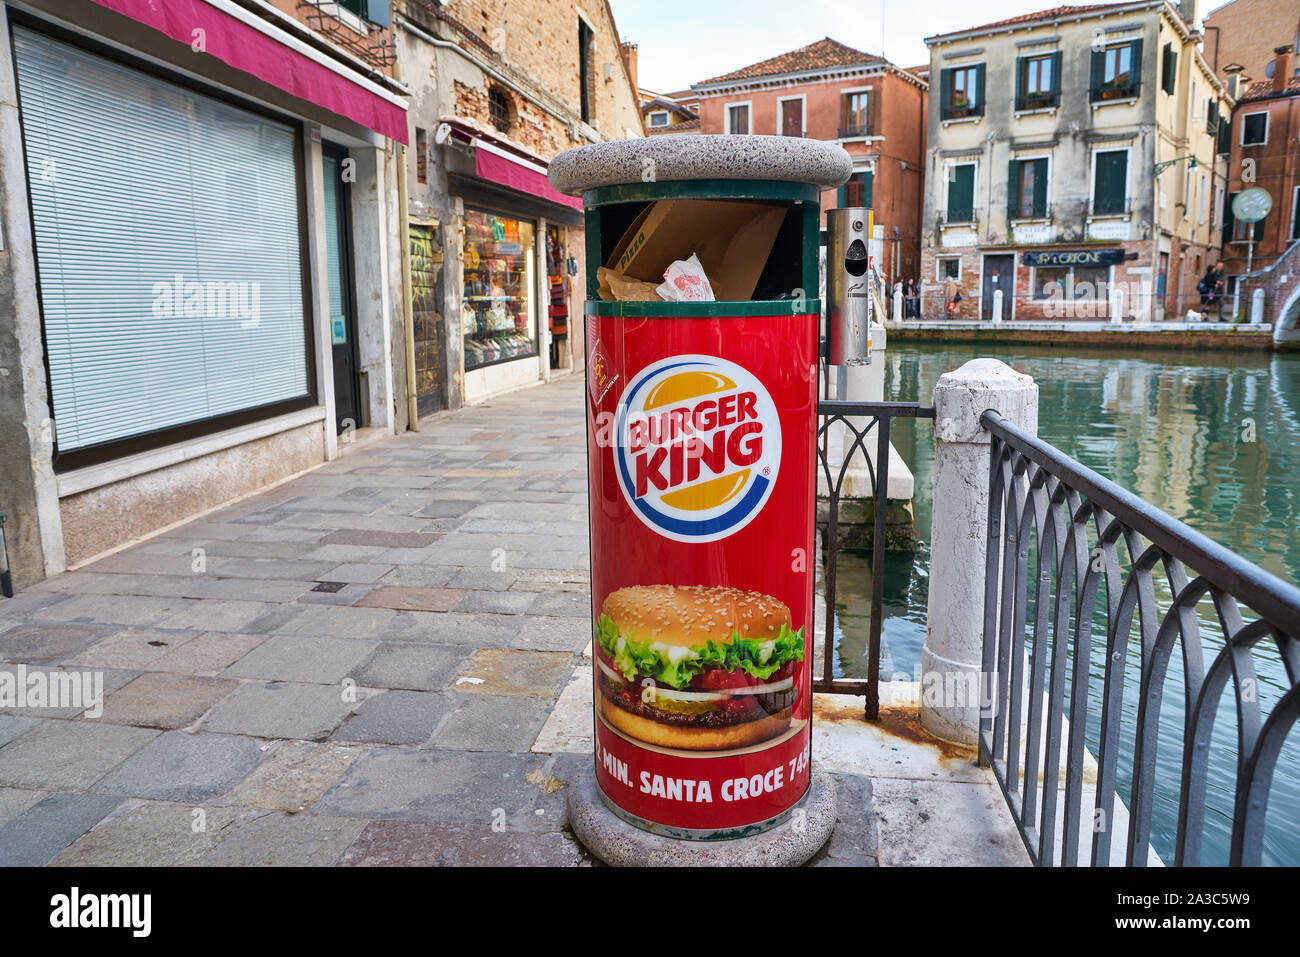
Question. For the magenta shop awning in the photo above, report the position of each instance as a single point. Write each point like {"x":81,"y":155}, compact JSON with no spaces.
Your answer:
{"x":246,"y":48}
{"x":497,"y":168}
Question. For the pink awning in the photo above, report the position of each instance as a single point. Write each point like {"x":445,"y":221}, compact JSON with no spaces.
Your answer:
{"x":501,"y":169}
{"x":245,"y":48}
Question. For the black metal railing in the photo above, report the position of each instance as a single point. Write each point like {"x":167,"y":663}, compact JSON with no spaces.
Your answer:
{"x":860,"y":420}
{"x":1085,"y":531}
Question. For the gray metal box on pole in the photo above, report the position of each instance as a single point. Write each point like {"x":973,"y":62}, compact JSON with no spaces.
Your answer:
{"x":848,"y":285}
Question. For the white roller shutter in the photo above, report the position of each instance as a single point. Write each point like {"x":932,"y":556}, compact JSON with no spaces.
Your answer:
{"x":168,"y":247}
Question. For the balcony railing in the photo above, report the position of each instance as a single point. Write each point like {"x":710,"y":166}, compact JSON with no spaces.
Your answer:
{"x":1113,"y":91}
{"x":1037,"y":101}
{"x":1089,"y":592}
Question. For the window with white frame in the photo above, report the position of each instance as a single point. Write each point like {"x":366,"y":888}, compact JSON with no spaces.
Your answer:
{"x":738,"y":118}
{"x":1254,"y":129}
{"x":659,"y":118}
{"x":947,"y":267}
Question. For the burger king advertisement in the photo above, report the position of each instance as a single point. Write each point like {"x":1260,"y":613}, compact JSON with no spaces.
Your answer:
{"x":702,"y":484}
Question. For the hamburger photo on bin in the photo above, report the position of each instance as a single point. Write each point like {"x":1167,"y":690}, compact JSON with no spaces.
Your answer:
{"x":696,"y":667}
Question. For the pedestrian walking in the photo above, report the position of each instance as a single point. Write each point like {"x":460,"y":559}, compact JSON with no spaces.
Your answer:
{"x":1211,"y":289}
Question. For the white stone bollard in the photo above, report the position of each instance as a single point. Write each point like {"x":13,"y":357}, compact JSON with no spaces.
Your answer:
{"x":1257,"y":307}
{"x":952,"y":656}
{"x":898,"y":302}
{"x":997,"y":305}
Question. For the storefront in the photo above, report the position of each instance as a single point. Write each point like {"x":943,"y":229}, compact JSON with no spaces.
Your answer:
{"x":516,"y":237}
{"x":194,"y":320}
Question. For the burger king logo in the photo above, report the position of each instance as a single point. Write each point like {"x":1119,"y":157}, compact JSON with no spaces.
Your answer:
{"x":697,"y":447}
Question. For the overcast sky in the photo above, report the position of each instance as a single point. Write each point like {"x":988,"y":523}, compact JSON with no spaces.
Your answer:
{"x":685,"y":41}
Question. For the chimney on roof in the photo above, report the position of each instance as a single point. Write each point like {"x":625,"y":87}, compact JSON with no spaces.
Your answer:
{"x":1189,"y":10}
{"x":1235,"y":84}
{"x":629,"y":61}
{"x":1282,"y":67}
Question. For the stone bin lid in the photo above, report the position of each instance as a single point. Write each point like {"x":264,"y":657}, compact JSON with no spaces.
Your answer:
{"x":683,"y":156}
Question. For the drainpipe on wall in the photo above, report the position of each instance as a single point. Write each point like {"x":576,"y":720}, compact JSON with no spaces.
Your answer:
{"x":408,"y":317}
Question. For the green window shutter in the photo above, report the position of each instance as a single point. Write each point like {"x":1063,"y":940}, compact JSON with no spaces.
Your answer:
{"x":979,"y":90}
{"x":961,"y":194}
{"x":1229,"y":221}
{"x":1013,"y":189}
{"x":1094,"y":82}
{"x":842,"y":196}
{"x":1020,"y":82}
{"x":1108,"y":192}
{"x":1040,"y":188}
{"x":1135,"y":73}
{"x":1225,"y":134}
{"x":1259,"y":230}
{"x":867,"y":180}
{"x":1164,"y":68}
{"x":1056,"y":74}
{"x":945,"y":94}
{"x":377,"y":12}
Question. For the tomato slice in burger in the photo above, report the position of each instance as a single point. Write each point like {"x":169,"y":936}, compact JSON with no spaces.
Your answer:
{"x":719,"y":679}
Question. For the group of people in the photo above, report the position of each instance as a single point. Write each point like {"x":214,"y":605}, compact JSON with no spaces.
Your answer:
{"x":1211,"y":289}
{"x":911,"y":295}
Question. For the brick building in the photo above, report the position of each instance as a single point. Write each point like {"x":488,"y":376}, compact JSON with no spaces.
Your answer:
{"x":829,"y":91}
{"x":1244,"y":33}
{"x":498,"y":89}
{"x":1075,"y":165}
{"x":1265,"y":154}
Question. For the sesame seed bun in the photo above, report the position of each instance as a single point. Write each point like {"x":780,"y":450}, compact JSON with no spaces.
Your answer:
{"x":689,"y":615}
{"x":694,"y":739}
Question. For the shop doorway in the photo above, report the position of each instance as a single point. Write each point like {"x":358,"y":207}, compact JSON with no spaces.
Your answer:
{"x":342,"y":290}
{"x":557,"y":283}
{"x":999,"y":273}
{"x":426,"y":276}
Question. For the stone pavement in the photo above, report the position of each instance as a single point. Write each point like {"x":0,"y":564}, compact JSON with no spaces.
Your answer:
{"x":363,"y":666}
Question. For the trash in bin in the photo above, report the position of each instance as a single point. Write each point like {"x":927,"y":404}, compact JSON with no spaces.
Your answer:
{"x":685,"y":281}
{"x":616,"y":286}
{"x":732,"y":240}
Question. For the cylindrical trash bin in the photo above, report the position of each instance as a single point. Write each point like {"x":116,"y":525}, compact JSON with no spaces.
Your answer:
{"x":848,"y":285}
{"x":701,"y":420}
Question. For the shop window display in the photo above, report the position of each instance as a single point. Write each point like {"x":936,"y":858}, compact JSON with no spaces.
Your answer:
{"x":499,"y":314}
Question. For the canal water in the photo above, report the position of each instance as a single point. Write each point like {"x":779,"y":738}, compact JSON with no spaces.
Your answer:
{"x":1211,"y":438}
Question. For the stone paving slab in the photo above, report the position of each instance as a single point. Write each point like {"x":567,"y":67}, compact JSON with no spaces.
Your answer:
{"x":293,"y":776}
{"x":189,"y":768}
{"x":36,"y":835}
{"x":159,"y":700}
{"x":421,"y":844}
{"x":150,"y":834}
{"x":59,"y":755}
{"x":395,"y":717}
{"x":280,"y":710}
{"x":314,"y":660}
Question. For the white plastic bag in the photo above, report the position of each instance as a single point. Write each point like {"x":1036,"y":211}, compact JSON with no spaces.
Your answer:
{"x":685,"y":282}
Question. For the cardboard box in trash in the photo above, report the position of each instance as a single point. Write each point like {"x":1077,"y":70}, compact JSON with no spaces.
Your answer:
{"x":732,"y":240}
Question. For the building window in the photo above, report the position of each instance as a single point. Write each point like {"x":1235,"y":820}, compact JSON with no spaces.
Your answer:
{"x":961,"y":92}
{"x":1202,"y":200}
{"x":791,"y":116}
{"x":960,"y":205}
{"x":1027,"y":189}
{"x":856,"y":122}
{"x":498,"y":311}
{"x":1116,"y":72}
{"x":1073,"y":283}
{"x":1038,"y":82}
{"x":500,"y":110}
{"x":948,"y":267}
{"x":1254,"y":129}
{"x":738,"y":118}
{"x":1169,"y":69}
{"x":1295,"y":214}
{"x":659,"y":118}
{"x":170,"y":312}
{"x":584,"y":70}
{"x":1110,"y":182}
{"x":421,"y":149}
{"x":1212,"y":117}
{"x":857,"y":191}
